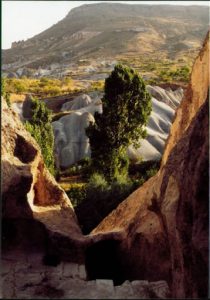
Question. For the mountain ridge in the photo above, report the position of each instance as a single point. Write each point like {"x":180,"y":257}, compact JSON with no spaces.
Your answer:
{"x":110,"y":31}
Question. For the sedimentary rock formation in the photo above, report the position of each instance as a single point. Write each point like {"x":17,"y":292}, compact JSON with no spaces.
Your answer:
{"x":77,"y":103}
{"x":166,"y":220}
{"x":33,"y":204}
{"x":72,"y":143}
{"x":195,"y":96}
{"x":164,"y":104}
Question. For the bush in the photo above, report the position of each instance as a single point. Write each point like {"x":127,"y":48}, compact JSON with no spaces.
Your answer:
{"x":40,"y":128}
{"x":100,"y":199}
{"x":96,"y":199}
{"x":77,"y":194}
{"x":180,"y":74}
{"x":97,"y":181}
{"x":81,"y":168}
{"x":144,"y":170}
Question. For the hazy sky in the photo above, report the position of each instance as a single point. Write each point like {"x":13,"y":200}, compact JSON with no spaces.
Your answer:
{"x":24,"y":19}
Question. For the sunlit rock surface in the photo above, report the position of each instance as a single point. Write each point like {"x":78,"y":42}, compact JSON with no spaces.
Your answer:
{"x":36,"y":211}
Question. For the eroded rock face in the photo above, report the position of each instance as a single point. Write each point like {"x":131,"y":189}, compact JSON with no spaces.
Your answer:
{"x":72,"y":143}
{"x":166,"y":220}
{"x":195,"y":95}
{"x":31,"y":198}
{"x":77,"y":103}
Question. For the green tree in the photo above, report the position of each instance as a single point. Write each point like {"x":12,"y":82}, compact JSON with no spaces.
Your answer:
{"x":41,"y":129}
{"x":126,"y":108}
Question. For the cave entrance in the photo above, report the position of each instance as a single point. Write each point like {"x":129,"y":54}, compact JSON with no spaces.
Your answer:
{"x":102,"y":262}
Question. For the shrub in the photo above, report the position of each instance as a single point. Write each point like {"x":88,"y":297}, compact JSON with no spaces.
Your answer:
{"x":97,"y":181}
{"x":100,"y":200}
{"x":96,"y":199}
{"x":41,"y":129}
{"x":77,"y":194}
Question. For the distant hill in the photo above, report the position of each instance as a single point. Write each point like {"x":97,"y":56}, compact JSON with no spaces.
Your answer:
{"x":112,"y":30}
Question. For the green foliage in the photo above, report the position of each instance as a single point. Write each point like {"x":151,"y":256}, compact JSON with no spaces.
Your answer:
{"x":7,"y":97}
{"x":144,"y":170}
{"x":97,"y":181}
{"x":77,"y":194}
{"x":45,"y":87}
{"x":180,"y":74}
{"x":100,"y":199}
{"x":96,"y":199}
{"x":97,"y":85}
{"x":41,"y":129}
{"x":3,"y":82}
{"x":126,"y":108}
{"x":81,"y":168}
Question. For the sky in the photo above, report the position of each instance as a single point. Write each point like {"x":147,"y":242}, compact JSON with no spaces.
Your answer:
{"x":24,"y":19}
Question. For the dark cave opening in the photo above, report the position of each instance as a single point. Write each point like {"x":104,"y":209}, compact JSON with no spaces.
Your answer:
{"x":102,"y":262}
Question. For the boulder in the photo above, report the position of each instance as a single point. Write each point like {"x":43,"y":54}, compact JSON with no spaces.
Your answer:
{"x":165,"y":222}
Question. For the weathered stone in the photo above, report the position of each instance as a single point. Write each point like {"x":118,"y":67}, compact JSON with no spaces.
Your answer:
{"x":124,"y":291}
{"x":140,"y":289}
{"x":58,"y":270}
{"x":159,"y":289}
{"x":71,"y":270}
{"x":6,"y":267}
{"x":26,"y":293}
{"x":82,"y":272}
{"x":27,"y":280}
{"x":71,"y":287}
{"x":22,"y":267}
{"x":48,"y":291}
{"x":105,"y":285}
{"x":36,"y":210}
{"x":8,"y":287}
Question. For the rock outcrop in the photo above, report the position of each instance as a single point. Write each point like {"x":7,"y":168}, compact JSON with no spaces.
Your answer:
{"x":71,"y":141}
{"x":195,"y":96}
{"x":72,"y":144}
{"x":166,"y":220}
{"x":33,"y":204}
{"x":164,"y":105}
{"x":77,"y":103}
